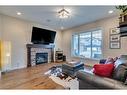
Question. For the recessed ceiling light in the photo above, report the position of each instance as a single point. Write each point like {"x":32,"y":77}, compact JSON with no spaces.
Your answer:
{"x":62,"y":27}
{"x":19,"y":13}
{"x":110,"y":12}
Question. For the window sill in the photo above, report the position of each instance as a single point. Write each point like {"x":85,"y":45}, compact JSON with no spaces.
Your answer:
{"x":94,"y":59}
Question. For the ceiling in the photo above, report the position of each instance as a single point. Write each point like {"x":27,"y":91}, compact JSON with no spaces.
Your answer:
{"x":47,"y":15}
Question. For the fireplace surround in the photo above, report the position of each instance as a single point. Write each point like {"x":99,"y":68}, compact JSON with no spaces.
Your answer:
{"x":34,"y":50}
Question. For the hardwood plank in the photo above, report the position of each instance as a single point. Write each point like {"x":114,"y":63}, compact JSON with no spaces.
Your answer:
{"x":29,"y":78}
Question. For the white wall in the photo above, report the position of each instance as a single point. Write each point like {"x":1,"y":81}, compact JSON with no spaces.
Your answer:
{"x":105,"y":24}
{"x":18,"y":32}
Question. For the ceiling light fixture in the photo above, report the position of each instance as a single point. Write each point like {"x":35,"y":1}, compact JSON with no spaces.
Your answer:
{"x":63,"y":14}
{"x":110,"y":12}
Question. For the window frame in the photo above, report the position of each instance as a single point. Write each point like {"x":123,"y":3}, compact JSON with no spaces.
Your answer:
{"x":90,"y":31}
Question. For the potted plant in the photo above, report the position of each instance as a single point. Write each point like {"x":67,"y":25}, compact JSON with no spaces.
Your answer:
{"x":123,"y":12}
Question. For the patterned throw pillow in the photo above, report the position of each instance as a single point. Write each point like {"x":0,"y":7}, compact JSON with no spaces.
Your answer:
{"x":120,"y":72}
{"x":109,"y":61}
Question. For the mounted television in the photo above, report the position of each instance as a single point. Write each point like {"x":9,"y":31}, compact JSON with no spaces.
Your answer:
{"x":42,"y":36}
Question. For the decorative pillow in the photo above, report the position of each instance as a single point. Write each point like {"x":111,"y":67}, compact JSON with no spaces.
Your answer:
{"x":109,"y":61}
{"x":120,"y":72}
{"x":104,"y":70}
{"x":102,"y":61}
{"x":115,"y":59}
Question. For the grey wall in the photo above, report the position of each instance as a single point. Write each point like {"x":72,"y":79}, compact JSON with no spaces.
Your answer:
{"x":18,"y":32}
{"x":105,"y":24}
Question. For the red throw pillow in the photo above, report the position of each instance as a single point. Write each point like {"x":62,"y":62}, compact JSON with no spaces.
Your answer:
{"x":104,"y":70}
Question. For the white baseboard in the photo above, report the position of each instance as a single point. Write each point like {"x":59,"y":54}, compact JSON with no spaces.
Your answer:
{"x":20,"y":67}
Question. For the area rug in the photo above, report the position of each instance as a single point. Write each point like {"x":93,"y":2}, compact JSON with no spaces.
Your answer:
{"x":55,"y":73}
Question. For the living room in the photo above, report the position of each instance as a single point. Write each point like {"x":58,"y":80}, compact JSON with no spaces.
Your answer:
{"x":84,"y":22}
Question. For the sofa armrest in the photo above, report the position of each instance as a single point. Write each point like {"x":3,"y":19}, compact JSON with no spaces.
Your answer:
{"x":99,"y":82}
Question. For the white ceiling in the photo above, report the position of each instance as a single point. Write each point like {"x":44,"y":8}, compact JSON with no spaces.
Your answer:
{"x":47,"y":15}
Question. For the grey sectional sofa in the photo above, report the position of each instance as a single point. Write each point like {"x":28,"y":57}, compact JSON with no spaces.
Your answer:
{"x":91,"y":81}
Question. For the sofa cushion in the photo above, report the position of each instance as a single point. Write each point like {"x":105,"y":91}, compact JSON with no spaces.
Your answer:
{"x":121,"y":60}
{"x":120,"y":72}
{"x":123,"y":57}
{"x":104,"y":70}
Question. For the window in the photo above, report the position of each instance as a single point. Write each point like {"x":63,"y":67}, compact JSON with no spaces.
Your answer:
{"x":88,"y":44}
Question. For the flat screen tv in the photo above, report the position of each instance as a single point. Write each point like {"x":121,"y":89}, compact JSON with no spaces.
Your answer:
{"x":42,"y":36}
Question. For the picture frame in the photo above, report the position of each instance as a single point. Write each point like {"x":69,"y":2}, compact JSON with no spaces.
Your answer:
{"x":114,"y":31}
{"x":115,"y":38}
{"x":115,"y":45}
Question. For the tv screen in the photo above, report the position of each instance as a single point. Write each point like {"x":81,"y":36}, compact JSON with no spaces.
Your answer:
{"x":42,"y":36}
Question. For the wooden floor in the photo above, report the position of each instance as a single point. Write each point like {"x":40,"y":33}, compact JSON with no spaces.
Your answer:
{"x":29,"y":78}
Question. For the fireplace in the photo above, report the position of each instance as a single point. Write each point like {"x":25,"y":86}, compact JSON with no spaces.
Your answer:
{"x":41,"y":58}
{"x":39,"y":54}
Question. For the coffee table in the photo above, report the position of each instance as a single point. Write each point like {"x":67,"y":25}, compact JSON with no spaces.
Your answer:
{"x":71,"y":69}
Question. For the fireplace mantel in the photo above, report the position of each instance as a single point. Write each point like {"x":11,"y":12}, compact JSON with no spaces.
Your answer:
{"x":30,"y":46}
{"x":39,"y":46}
